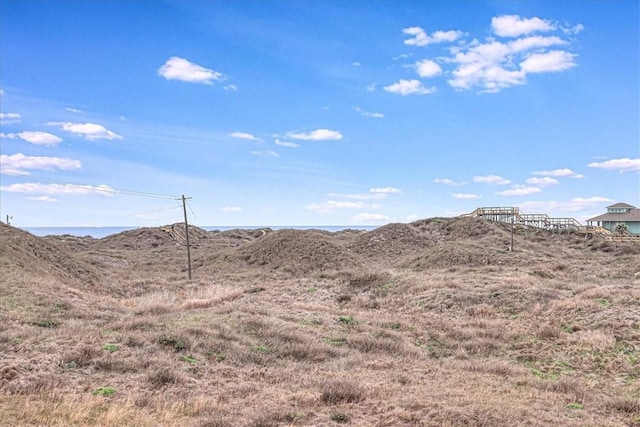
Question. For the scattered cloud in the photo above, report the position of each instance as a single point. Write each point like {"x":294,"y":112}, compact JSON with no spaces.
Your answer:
{"x":385,"y":190}
{"x":466,"y":196}
{"x":370,"y":219}
{"x":409,"y":87}
{"x":427,"y":68}
{"x":374,"y":193}
{"x":493,"y":64}
{"x":565,"y":172}
{"x":48,"y":199}
{"x":622,"y":165}
{"x":447,"y":181}
{"x":412,"y":217}
{"x":356,"y":64}
{"x":365,"y":113}
{"x":542,"y":182}
{"x":266,"y":153}
{"x":573,"y":30}
{"x":177,"y":68}
{"x":89,"y":131}
{"x":421,"y":38}
{"x":231,"y":209}
{"x":10,"y":118}
{"x":34,"y":137}
{"x":74,"y":110}
{"x":554,"y":61}
{"x":491,"y":179}
{"x":514,"y":25}
{"x":244,"y":135}
{"x":520,"y":190}
{"x":286,"y":143}
{"x":332,"y":205}
{"x":19,"y":164}
{"x":230,"y":88}
{"x":60,"y":189}
{"x":371,"y":87}
{"x":574,"y":205}
{"x":316,"y":135}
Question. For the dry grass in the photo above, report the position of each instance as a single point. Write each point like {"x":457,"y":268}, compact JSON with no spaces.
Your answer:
{"x":416,"y":334}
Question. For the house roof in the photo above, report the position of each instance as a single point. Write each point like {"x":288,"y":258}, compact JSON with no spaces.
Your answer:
{"x":631,"y":216}
{"x":621,"y":205}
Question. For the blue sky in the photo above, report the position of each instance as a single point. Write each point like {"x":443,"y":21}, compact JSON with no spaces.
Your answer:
{"x":315,"y":113}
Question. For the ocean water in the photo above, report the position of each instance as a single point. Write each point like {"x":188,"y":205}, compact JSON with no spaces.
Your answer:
{"x":100,"y":232}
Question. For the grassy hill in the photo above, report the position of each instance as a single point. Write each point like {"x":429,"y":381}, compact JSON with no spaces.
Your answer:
{"x":425,"y":324}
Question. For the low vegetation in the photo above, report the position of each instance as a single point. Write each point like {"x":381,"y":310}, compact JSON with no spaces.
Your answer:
{"x":432,"y":323}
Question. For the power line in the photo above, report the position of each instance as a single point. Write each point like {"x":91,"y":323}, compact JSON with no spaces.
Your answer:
{"x":86,"y":186}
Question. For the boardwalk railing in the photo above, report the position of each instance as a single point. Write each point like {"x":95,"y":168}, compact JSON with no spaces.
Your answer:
{"x":544,"y":221}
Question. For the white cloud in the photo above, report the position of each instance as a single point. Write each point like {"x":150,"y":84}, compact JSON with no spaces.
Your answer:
{"x":34,"y":137}
{"x":554,"y":61}
{"x":495,"y":65}
{"x":574,"y":205}
{"x":90,"y":131}
{"x":369,"y":219}
{"x":491,"y":179}
{"x":573,"y":30}
{"x":73,"y":110}
{"x":177,"y":68}
{"x":514,"y":25}
{"x":286,"y":143}
{"x":565,"y":172}
{"x":20,"y":164}
{"x":230,"y":88}
{"x":534,"y":42}
{"x":421,"y":38}
{"x":333,"y":205}
{"x":371,"y":87}
{"x":244,"y":135}
{"x":266,"y":153}
{"x":427,"y":68}
{"x":10,"y":118}
{"x":409,"y":87}
{"x":374,"y":193}
{"x":231,"y":209}
{"x":316,"y":135}
{"x":542,"y":182}
{"x":356,"y":64}
{"x":466,"y":196}
{"x":61,"y":189}
{"x":48,"y":199}
{"x":385,"y":190}
{"x":447,"y":181}
{"x":365,"y":113}
{"x":623,"y":165}
{"x":520,"y":191}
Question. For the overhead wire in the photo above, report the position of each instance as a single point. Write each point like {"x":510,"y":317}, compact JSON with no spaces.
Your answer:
{"x":92,"y":187}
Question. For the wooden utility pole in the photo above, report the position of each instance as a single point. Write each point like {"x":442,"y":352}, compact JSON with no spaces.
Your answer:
{"x":9,"y":219}
{"x":513,"y":219}
{"x":186,"y":230}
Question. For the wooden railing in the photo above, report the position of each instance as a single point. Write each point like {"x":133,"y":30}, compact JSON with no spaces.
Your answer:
{"x":513,"y":214}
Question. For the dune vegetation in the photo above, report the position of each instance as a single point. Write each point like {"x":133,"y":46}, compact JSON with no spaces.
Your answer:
{"x":433,"y":323}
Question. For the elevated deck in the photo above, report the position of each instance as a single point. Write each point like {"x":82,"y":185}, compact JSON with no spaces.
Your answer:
{"x":514,"y":215}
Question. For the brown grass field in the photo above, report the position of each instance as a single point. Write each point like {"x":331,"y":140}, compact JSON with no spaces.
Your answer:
{"x":433,"y":323}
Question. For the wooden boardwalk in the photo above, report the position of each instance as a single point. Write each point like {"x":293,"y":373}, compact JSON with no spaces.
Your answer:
{"x":514,"y":215}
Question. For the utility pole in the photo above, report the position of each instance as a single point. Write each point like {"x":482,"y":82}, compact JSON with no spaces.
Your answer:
{"x":9,"y":218}
{"x":513,"y":218}
{"x":186,"y":230}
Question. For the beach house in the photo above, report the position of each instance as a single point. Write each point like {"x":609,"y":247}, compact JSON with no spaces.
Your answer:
{"x":616,"y":214}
